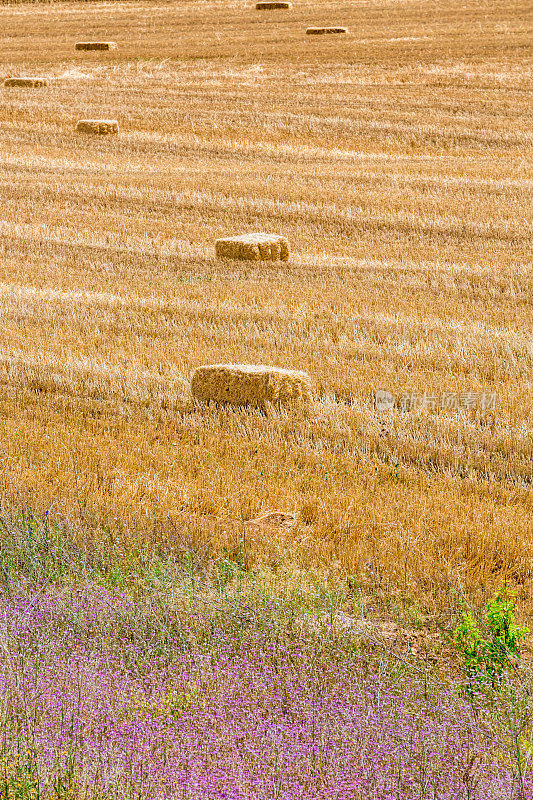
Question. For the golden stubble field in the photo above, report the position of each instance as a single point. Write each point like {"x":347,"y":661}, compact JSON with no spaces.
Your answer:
{"x":397,"y":162}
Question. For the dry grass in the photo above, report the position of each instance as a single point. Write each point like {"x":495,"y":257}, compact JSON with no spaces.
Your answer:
{"x":396,"y":162}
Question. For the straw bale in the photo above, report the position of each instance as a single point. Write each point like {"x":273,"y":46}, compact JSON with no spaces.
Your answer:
{"x":268,"y":6}
{"x":31,"y":83}
{"x":101,"y":126}
{"x":249,"y":384}
{"x":253,"y":247}
{"x":96,"y":45}
{"x":318,"y":31}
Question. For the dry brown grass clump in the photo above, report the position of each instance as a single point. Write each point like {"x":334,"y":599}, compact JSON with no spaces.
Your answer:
{"x":97,"y":126}
{"x":248,"y":384}
{"x":330,"y":29}
{"x":96,"y":45}
{"x":29,"y":83}
{"x":253,"y":247}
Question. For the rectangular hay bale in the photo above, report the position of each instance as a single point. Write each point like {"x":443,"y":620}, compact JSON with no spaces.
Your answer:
{"x":270,"y":5}
{"x":249,"y":384}
{"x":97,"y":126}
{"x":29,"y":83}
{"x":319,"y":31}
{"x":96,"y":45}
{"x":253,"y":247}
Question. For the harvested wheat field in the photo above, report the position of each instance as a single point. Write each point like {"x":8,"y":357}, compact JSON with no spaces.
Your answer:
{"x":266,"y":401}
{"x":396,"y":161}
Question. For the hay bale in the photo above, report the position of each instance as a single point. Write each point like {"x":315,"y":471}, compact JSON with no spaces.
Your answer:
{"x":99,"y":126}
{"x":96,"y":45}
{"x":253,"y":247}
{"x":248,"y":384}
{"x":29,"y":83}
{"x":269,"y":6}
{"x":319,"y":31}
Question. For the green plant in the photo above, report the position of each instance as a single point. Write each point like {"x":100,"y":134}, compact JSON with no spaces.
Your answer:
{"x":414,"y":616}
{"x":19,"y":779}
{"x":490,"y":644}
{"x":231,"y":565}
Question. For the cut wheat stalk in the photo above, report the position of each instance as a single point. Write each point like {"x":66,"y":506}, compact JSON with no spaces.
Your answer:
{"x":249,"y":384}
{"x":253,"y":247}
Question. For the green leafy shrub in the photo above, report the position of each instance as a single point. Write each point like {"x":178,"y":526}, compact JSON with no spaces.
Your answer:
{"x":489,"y":645}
